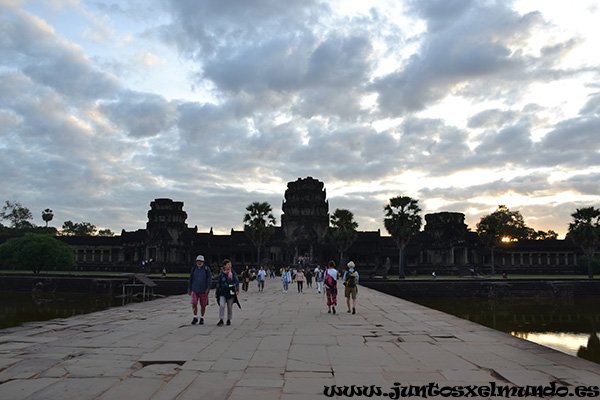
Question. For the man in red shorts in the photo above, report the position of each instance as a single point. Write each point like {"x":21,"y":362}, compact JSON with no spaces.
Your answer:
{"x":198,"y":287}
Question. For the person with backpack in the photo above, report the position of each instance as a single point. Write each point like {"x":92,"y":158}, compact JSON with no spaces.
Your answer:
{"x":330,"y":281}
{"x":199,"y":285}
{"x":351,"y":283}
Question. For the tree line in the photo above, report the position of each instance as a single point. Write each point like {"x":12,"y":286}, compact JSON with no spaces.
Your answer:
{"x":19,"y":218}
{"x":402,"y":220}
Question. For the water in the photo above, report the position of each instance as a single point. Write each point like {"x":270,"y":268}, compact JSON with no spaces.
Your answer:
{"x":568,"y":326}
{"x":17,"y":308}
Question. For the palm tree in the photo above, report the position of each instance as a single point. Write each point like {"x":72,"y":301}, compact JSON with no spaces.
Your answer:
{"x":47,"y":215}
{"x":402,"y":222}
{"x":259,"y":224}
{"x":343,"y":231}
{"x":585,"y":231}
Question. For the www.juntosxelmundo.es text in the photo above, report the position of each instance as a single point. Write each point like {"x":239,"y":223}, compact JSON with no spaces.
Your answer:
{"x":492,"y":389}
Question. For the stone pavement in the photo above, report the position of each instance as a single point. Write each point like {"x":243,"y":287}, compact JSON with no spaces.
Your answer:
{"x":280,"y":346}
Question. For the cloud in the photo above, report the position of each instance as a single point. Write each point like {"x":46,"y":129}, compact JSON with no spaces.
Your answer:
{"x":141,"y":114}
{"x":480,"y":45}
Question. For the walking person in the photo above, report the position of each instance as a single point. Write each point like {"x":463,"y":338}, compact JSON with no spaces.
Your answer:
{"x":309,"y":277}
{"x":260,"y":278}
{"x":199,"y":285}
{"x":286,"y":278}
{"x":245,"y":279}
{"x":228,"y":287}
{"x":319,"y":276}
{"x":330,"y":281}
{"x":300,"y":279}
{"x":351,"y":286}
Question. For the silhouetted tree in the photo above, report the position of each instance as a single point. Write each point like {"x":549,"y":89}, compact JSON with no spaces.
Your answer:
{"x":78,"y":229}
{"x":259,"y":224}
{"x":502,"y":224}
{"x":18,"y":215}
{"x":402,"y":222}
{"x":585,"y":232}
{"x":343,"y":231}
{"x":47,"y":215}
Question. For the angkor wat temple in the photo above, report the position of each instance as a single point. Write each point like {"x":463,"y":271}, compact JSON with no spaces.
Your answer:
{"x":446,"y":245}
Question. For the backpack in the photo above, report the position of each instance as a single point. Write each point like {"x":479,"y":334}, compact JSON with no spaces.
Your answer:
{"x":350,"y":280}
{"x":329,"y":281}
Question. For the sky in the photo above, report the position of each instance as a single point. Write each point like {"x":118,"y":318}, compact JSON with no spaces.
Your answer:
{"x":463,"y":105}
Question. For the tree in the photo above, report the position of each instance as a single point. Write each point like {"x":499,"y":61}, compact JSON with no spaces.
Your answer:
{"x":343,"y":231}
{"x":259,"y":224}
{"x":501,"y":225}
{"x":541,"y":235}
{"x":47,"y":215}
{"x":402,"y":222}
{"x":18,"y":215}
{"x":78,"y":229}
{"x":37,"y":251}
{"x":585,"y":232}
{"x":106,"y":232}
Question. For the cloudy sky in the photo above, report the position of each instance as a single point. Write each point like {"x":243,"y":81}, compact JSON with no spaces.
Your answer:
{"x":463,"y":105}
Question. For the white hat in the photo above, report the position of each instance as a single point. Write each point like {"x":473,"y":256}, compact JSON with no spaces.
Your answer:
{"x":200,"y":258}
{"x":350,"y":264}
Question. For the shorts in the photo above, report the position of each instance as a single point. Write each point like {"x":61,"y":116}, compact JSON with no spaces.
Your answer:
{"x":203,"y":297}
{"x":351,"y":292}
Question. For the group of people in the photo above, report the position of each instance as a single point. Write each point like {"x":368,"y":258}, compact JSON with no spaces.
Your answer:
{"x":227,"y":286}
{"x":226,"y":290}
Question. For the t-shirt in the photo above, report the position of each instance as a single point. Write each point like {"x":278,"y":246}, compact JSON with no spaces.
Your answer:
{"x":261,"y":275}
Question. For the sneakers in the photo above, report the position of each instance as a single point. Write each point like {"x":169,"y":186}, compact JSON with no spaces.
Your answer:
{"x":353,"y":310}
{"x":194,"y":321}
{"x":348,"y":311}
{"x":201,"y":321}
{"x":220,"y":323}
{"x":333,"y":309}
{"x":228,"y":322}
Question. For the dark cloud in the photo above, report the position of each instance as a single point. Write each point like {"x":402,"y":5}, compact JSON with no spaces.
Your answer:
{"x":477,"y":46}
{"x":141,"y":114}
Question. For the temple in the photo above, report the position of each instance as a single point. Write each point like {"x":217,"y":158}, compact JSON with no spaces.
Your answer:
{"x":445,"y":245}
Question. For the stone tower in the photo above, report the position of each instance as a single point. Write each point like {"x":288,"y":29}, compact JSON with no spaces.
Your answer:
{"x":305,"y":217}
{"x":165,"y":226}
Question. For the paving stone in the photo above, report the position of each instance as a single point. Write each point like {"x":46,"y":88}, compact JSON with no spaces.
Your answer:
{"x":132,"y":388}
{"x":280,"y":346}
{"x":23,"y":388}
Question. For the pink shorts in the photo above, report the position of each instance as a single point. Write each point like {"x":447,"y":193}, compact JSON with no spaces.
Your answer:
{"x":203,"y":297}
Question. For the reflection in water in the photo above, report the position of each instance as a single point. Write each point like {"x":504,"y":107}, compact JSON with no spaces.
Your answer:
{"x":18,"y":308}
{"x":592,"y":350}
{"x":563,"y":325}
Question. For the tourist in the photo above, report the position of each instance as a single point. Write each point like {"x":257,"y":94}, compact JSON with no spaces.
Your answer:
{"x":319,"y":276}
{"x":227,"y":290}
{"x":330,"y":281}
{"x":286,"y":278}
{"x":199,"y":285}
{"x":309,"y":277}
{"x":351,"y":286}
{"x":245,"y":279}
{"x":300,"y":279}
{"x":260,"y":278}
